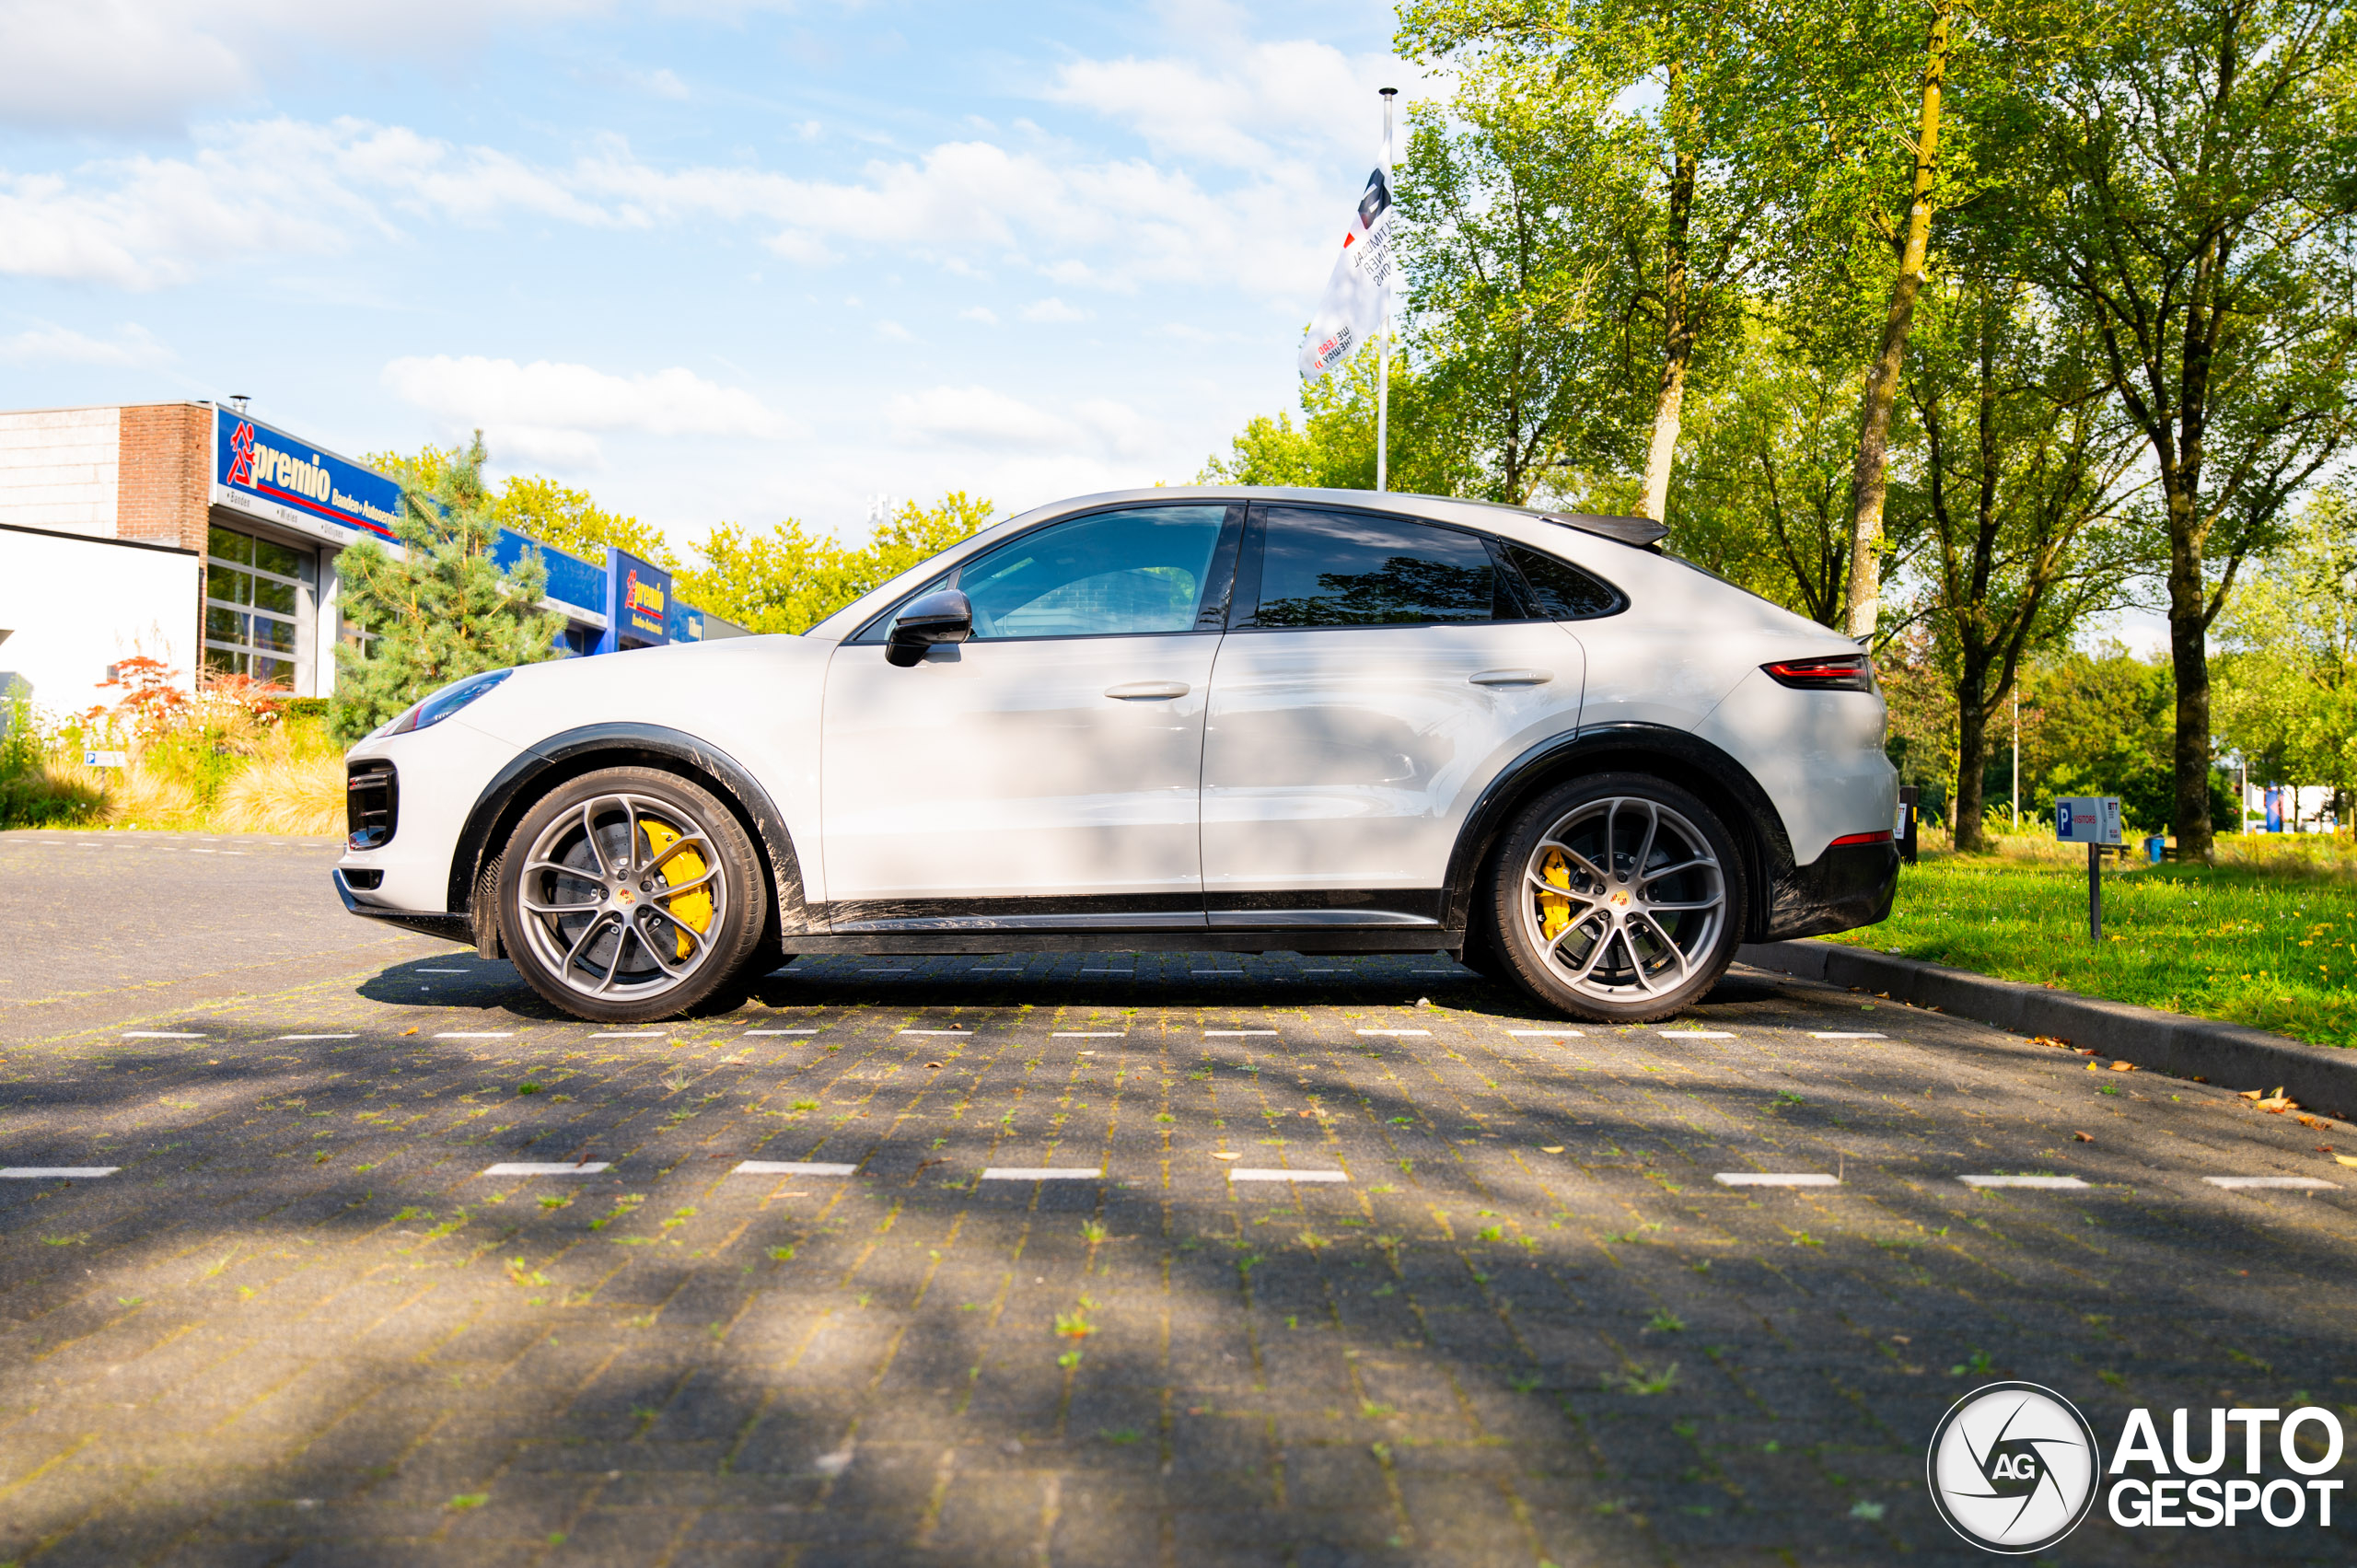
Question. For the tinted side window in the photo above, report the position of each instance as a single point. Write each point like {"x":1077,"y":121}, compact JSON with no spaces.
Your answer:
{"x":1557,"y":591}
{"x":1141,"y":570}
{"x":1340,"y":569}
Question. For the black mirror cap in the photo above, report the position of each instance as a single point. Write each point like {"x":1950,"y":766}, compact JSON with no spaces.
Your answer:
{"x":946,"y":616}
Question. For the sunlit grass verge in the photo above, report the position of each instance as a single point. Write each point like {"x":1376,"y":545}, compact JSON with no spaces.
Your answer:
{"x":2273,"y":947}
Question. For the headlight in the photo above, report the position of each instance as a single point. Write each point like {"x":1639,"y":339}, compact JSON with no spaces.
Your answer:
{"x":443,"y":704}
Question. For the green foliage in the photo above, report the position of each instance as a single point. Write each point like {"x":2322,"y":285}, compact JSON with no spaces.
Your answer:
{"x":1333,"y":447}
{"x":789,"y":580}
{"x":539,"y":507}
{"x":441,"y":612}
{"x":2287,"y":682}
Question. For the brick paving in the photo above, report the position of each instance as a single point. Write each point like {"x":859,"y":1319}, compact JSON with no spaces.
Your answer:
{"x":300,"y":1326}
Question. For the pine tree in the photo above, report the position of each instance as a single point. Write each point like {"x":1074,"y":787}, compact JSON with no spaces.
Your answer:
{"x":441,"y":610}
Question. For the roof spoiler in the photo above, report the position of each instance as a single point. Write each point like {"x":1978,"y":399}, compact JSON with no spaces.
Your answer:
{"x":1642,"y":532}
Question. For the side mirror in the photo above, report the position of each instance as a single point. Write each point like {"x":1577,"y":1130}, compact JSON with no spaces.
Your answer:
{"x":944,"y":617}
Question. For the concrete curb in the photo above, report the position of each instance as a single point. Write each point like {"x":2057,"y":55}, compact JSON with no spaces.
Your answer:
{"x":2319,"y":1078}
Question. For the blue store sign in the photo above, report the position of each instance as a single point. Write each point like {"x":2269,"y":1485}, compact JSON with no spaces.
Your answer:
{"x":638,"y":596}
{"x":265,"y":471}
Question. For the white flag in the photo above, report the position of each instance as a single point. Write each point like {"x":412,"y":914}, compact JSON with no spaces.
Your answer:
{"x":1360,"y":289}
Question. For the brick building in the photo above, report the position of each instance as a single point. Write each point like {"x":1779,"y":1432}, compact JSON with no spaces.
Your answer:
{"x":203,"y":537}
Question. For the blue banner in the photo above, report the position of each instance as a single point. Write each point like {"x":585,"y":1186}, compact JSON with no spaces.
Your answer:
{"x":570,"y":580}
{"x":252,"y":460}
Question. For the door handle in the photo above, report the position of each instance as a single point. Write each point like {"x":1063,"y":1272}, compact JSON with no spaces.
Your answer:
{"x":1511,"y":677}
{"x":1137,"y":688}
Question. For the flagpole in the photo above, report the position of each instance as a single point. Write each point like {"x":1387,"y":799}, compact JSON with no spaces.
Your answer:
{"x":1383,"y":365}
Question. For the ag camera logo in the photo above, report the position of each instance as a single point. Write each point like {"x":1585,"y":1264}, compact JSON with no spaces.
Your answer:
{"x":2014,"y":1468}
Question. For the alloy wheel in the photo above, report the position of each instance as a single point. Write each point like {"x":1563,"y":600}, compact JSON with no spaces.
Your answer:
{"x":1624,"y":898}
{"x":621,"y":897}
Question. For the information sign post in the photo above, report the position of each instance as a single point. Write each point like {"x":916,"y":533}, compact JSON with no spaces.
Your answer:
{"x":2093,"y":820}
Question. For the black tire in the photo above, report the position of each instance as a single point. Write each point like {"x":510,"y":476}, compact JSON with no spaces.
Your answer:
{"x":639,"y":946}
{"x":1615,"y":946}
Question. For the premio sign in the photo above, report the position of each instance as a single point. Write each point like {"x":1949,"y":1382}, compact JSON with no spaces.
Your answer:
{"x":267,"y":473}
{"x":2014,"y":1468}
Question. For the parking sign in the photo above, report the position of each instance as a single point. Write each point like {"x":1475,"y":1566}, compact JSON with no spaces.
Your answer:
{"x":2087,"y":819}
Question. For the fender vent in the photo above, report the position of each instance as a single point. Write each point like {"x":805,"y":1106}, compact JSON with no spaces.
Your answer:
{"x":372,"y":803}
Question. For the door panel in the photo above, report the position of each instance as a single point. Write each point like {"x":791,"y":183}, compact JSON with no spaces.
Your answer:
{"x":1005,"y":769}
{"x":1346,"y":758}
{"x":1381,"y":672}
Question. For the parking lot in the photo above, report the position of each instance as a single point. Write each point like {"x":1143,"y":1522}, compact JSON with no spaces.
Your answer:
{"x":1074,"y":1259}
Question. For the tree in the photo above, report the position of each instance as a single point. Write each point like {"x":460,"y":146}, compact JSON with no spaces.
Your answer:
{"x":2203,"y":176}
{"x":540,"y":508}
{"x":788,"y":580}
{"x":1506,"y":254}
{"x":1659,"y":99}
{"x":1766,"y":499}
{"x":1333,"y":447}
{"x":2023,"y":462}
{"x":439,"y":612}
{"x":2287,"y":677}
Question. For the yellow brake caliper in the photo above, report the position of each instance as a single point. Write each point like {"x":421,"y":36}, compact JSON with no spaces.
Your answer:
{"x":690,"y":908}
{"x":1554,"y":910}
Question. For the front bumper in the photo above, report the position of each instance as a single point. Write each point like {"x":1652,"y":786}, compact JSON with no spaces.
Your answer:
{"x":449,"y":928}
{"x":1847,"y":886}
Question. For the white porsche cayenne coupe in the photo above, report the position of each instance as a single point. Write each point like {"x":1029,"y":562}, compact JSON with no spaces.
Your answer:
{"x":1202,"y":718}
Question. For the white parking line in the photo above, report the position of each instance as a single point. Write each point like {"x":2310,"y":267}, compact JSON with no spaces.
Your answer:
{"x":1548,"y":1034}
{"x":2305,"y":1183}
{"x":423,"y":970}
{"x":1844,"y":1034}
{"x":476,"y":1034}
{"x":1231,"y":1034}
{"x":632,"y":1034}
{"x":1043,"y":1173}
{"x":781,"y":1031}
{"x":2050,"y":1182}
{"x":318,"y":1037}
{"x":527,"y":1168}
{"x":1395,"y":1031}
{"x":791,"y":1167}
{"x":40,"y":1172}
{"x":1236,"y":1174}
{"x":1775,"y":1178}
{"x":1695,"y":1034}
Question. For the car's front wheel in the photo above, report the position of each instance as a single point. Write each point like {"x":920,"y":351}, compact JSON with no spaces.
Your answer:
{"x":630,"y":894}
{"x":1615,"y":898}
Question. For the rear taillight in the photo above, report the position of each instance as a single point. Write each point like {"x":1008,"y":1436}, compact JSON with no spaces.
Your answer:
{"x":1833,"y":672}
{"x":372,"y":803}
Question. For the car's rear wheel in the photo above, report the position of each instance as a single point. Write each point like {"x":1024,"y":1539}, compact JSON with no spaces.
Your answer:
{"x":1616,"y":899}
{"x":631,"y":894}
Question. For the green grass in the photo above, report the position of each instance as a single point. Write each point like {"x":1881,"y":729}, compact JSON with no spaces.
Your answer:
{"x":2275,"y":949}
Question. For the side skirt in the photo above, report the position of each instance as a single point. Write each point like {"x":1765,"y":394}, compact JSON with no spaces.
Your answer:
{"x":1193,"y":939}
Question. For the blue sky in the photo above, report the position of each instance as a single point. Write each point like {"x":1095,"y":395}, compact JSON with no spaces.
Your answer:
{"x":711,"y":260}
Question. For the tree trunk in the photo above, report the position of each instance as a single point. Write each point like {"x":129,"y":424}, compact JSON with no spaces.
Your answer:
{"x":2189,"y":659}
{"x":1971,"y":762}
{"x":1869,"y":482}
{"x":1677,"y":338}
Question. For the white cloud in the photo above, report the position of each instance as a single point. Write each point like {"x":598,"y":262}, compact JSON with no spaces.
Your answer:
{"x":667,"y":84}
{"x":550,"y":413}
{"x":985,"y":417}
{"x":1053,"y":311}
{"x":983,"y":313}
{"x":52,"y":344}
{"x":122,"y":65}
{"x":893,"y":332}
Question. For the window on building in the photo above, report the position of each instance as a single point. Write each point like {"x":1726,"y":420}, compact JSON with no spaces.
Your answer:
{"x":256,"y":591}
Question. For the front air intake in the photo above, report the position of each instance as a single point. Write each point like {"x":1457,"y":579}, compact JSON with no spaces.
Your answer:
{"x":371,"y":803}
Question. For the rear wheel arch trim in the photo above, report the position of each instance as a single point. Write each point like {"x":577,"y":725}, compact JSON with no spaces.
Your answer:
{"x":1682,"y":758}
{"x":553,"y":761}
